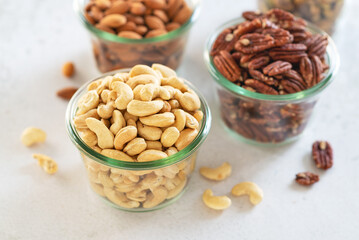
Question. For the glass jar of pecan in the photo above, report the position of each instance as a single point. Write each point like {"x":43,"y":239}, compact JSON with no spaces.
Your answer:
{"x":126,"y":32}
{"x":250,"y":110}
{"x":141,"y":185}
{"x":323,"y":13}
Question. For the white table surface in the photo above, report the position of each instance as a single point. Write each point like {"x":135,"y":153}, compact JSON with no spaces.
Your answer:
{"x":37,"y":37}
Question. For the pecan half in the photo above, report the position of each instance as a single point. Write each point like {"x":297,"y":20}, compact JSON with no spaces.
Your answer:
{"x":251,"y":15}
{"x":248,"y":26}
{"x":292,"y":82}
{"x":276,"y":68}
{"x":227,"y":66}
{"x":292,"y":52}
{"x":253,"y":43}
{"x":258,"y":62}
{"x":260,"y":87}
{"x":322,"y":154}
{"x":261,"y":77}
{"x":317,"y":45}
{"x":224,"y":41}
{"x":280,"y":36}
{"x":276,"y":15}
{"x":306,"y":178}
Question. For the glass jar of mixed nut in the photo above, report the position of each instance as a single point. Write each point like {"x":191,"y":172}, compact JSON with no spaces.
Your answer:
{"x":270,"y":69}
{"x":322,"y":13}
{"x":138,"y":131}
{"x":128,"y":32}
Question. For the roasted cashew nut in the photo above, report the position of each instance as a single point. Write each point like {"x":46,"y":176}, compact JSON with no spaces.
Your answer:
{"x":104,"y":135}
{"x":217,"y":174}
{"x":31,"y":136}
{"x":251,"y":189}
{"x":216,"y":202}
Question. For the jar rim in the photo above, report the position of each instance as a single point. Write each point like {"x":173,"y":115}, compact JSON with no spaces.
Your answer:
{"x":88,"y":151}
{"x":78,"y":6}
{"x":332,"y":59}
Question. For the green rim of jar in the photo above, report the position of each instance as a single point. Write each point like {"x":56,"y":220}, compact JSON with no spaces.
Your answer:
{"x":79,"y":6}
{"x":332,"y":59}
{"x":177,"y":157}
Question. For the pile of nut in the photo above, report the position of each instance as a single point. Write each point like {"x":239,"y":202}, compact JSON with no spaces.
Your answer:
{"x":142,"y":115}
{"x":273,"y":54}
{"x":322,"y":13}
{"x":137,"y":19}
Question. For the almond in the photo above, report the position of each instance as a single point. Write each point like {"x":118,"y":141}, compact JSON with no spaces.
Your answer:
{"x":68,"y":69}
{"x":103,"y":4}
{"x":66,"y":93}
{"x":96,"y":13}
{"x":129,"y":26}
{"x":156,"y":4}
{"x":172,"y":26}
{"x":105,"y":28}
{"x":119,"y":8}
{"x":161,"y":15}
{"x":154,"y":22}
{"x":141,"y":29}
{"x":129,"y":34}
{"x":173,"y":7}
{"x":155,"y":33}
{"x":113,"y":20}
{"x":138,"y":8}
{"x":183,"y":15}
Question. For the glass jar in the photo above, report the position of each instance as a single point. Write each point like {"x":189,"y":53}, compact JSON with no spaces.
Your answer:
{"x":323,"y":13}
{"x":267,"y":119}
{"x":138,"y":186}
{"x":113,"y":52}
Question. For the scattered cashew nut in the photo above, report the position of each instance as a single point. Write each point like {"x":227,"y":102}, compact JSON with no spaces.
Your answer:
{"x":251,"y":189}
{"x":48,"y":164}
{"x":31,"y":136}
{"x":216,"y":202}
{"x":217,"y":174}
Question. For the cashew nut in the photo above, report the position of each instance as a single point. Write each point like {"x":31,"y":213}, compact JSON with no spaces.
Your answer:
{"x":137,"y":196}
{"x":190,"y":101}
{"x":118,"y":122}
{"x":31,"y":136}
{"x":131,"y":122}
{"x":149,"y":133}
{"x":191,"y":122}
{"x":251,"y":189}
{"x":164,"y":70}
{"x":48,"y":164}
{"x":104,"y":135}
{"x":105,"y":110}
{"x":175,"y":82}
{"x":80,"y":120}
{"x":115,"y":154}
{"x":125,"y":94}
{"x":105,"y":180}
{"x":185,"y":138}
{"x":177,"y":189}
{"x":180,"y":119}
{"x":166,"y":107}
{"x":216,"y":202}
{"x":128,"y":116}
{"x":142,"y":108}
{"x":171,"y":150}
{"x":151,"y":155}
{"x":88,"y":101}
{"x":88,"y":137}
{"x":108,"y":96}
{"x":157,"y":196}
{"x":198,"y":115}
{"x":135,"y":146}
{"x":156,"y":145}
{"x":217,"y":174}
{"x":125,"y":135}
{"x":142,"y":79}
{"x":174,"y":103}
{"x":141,"y":69}
{"x":98,"y":188}
{"x":159,"y":120}
{"x":120,"y":199}
{"x":137,"y":91}
{"x":170,"y":136}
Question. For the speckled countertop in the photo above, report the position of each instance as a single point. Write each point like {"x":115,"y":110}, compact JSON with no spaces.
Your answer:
{"x":37,"y":37}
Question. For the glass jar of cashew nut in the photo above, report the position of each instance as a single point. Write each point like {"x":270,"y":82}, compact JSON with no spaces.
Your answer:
{"x":137,"y":170}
